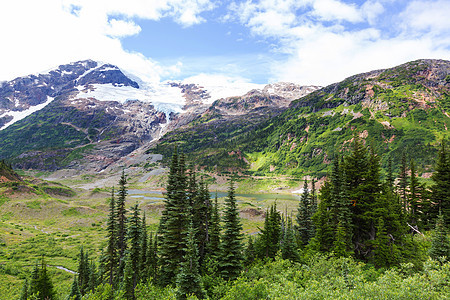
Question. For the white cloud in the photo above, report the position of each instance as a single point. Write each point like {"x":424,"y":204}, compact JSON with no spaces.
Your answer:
{"x":37,"y":35}
{"x":328,"y":40}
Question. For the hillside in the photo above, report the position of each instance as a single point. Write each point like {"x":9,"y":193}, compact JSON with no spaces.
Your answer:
{"x":405,"y":108}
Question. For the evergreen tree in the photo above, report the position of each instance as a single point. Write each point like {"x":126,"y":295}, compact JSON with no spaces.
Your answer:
{"x":201,"y":219}
{"x":249,"y":252}
{"x":305,"y":229}
{"x":230,"y":259}
{"x":24,"y":291}
{"x":173,"y":224}
{"x":288,"y":247}
{"x":413,"y":193}
{"x":134,"y":238}
{"x":389,"y":176}
{"x":271,"y":233}
{"x":41,"y":285}
{"x":121,"y":220}
{"x":152,"y":258}
{"x":83,"y":272}
{"x":93,"y":277}
{"x":75,"y":293}
{"x":111,"y":255}
{"x":382,"y":254}
{"x":441,"y":185}
{"x":128,"y":279}
{"x":214,"y":230}
{"x":189,"y":279}
{"x":403,"y":182}
{"x":340,"y":245}
{"x":143,"y":268}
{"x":440,"y":244}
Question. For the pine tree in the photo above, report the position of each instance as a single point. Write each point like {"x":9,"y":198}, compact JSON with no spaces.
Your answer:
{"x":189,"y":279}
{"x":440,"y":244}
{"x":305,"y":211}
{"x":271,"y":233}
{"x":382,"y":253}
{"x":249,"y":252}
{"x":214,"y":230}
{"x":174,"y":222}
{"x":403,"y":182}
{"x":288,"y":247}
{"x":143,"y":268}
{"x":24,"y":292}
{"x":441,"y":185}
{"x":93,"y":277}
{"x":340,"y":245}
{"x":413,"y":193}
{"x":134,"y":237}
{"x":121,"y":220}
{"x":41,"y":283}
{"x":152,"y":258}
{"x":75,"y":293}
{"x":111,"y":255}
{"x":128,"y":279}
{"x":230,"y":260}
{"x":389,"y":176}
{"x":83,"y":272}
{"x":201,"y":219}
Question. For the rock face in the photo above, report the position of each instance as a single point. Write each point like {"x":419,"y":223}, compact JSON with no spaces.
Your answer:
{"x":88,"y":115}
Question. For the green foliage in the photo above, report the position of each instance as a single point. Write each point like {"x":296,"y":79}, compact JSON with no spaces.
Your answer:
{"x":440,"y":243}
{"x":231,"y":257}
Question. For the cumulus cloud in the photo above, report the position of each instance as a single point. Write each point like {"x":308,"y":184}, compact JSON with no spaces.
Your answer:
{"x":39,"y":34}
{"x":328,"y":40}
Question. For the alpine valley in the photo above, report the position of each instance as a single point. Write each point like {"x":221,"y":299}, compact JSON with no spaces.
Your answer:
{"x":90,"y":117}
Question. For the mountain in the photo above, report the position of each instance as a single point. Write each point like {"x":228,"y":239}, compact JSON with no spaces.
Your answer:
{"x":88,"y":115}
{"x":402,"y":109}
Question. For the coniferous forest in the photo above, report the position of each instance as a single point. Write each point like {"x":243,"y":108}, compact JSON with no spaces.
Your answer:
{"x":368,"y":233}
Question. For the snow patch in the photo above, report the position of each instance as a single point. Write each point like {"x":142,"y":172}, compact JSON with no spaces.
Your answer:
{"x":19,"y":115}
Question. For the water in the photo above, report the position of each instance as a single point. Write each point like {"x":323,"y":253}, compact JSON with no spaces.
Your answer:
{"x":158,"y":195}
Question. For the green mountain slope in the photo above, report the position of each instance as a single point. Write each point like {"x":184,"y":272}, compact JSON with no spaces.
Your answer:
{"x":405,"y":108}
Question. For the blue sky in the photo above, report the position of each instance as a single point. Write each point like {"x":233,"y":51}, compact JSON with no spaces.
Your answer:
{"x":232,"y":42}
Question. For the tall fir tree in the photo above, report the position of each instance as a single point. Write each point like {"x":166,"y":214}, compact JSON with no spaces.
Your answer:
{"x":121,"y":219}
{"x":214,"y":230}
{"x":174,"y":222}
{"x":152,"y":257}
{"x":305,"y":226}
{"x":83,"y":271}
{"x":111,"y":255}
{"x":134,"y":236}
{"x":75,"y":293}
{"x":231,"y":256}
{"x":143,"y":267}
{"x":128,"y":279}
{"x":402,"y":184}
{"x":188,"y":279}
{"x":389,"y":175}
{"x":271,"y":233}
{"x":440,"y":243}
{"x":441,"y":185}
{"x":41,"y":285}
{"x":250,"y":254}
{"x":288,"y":246}
{"x":413,"y":194}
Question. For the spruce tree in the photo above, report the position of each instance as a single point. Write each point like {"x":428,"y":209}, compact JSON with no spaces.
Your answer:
{"x":128,"y":279}
{"x":214,"y":230}
{"x":83,"y":271}
{"x":440,"y":244}
{"x":403,"y":182}
{"x":231,"y":257}
{"x":41,"y":284}
{"x":288,"y":246}
{"x":382,"y":255}
{"x":111,"y":255}
{"x":143,"y":268}
{"x":188,"y":279}
{"x":174,"y":222}
{"x":75,"y":293}
{"x":121,"y":223}
{"x":389,"y":176}
{"x":305,"y":211}
{"x":134,"y":240}
{"x":152,"y":258}
{"x":441,"y":185}
{"x":271,"y":233}
{"x":249,"y":252}
{"x":413,"y":193}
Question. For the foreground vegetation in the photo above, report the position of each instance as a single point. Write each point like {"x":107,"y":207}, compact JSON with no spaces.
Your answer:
{"x":362,"y":239}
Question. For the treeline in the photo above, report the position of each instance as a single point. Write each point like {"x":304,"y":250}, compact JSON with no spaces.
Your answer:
{"x":197,"y":250}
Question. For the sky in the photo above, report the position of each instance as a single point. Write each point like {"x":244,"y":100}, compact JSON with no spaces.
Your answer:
{"x":228,"y":42}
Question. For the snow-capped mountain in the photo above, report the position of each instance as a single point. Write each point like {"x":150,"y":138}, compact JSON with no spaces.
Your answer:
{"x":93,"y":103}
